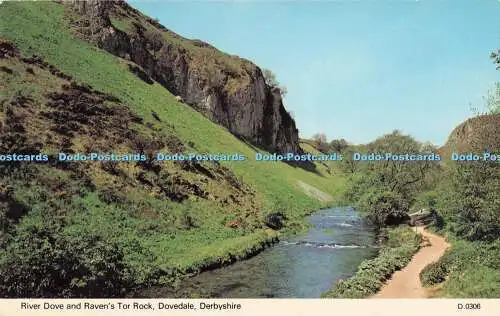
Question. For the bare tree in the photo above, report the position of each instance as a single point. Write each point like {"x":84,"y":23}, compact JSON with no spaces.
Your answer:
{"x":321,"y":142}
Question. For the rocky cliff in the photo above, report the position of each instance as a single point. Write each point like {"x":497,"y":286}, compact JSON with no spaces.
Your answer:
{"x":477,"y":134}
{"x":230,"y":90}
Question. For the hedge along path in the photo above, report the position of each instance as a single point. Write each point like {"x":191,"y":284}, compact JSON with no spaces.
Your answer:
{"x":406,"y":282}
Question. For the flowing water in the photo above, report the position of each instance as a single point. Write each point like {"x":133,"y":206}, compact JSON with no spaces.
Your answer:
{"x":298,"y":267}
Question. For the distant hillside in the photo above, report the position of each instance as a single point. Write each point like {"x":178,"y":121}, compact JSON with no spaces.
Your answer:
{"x":228,"y":89}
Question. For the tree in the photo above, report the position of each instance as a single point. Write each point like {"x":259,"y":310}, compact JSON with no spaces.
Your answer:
{"x":495,"y":56}
{"x":338,"y":145}
{"x":348,"y":164}
{"x":385,"y":189}
{"x":492,"y":100}
{"x":491,"y":103}
{"x":270,"y":78}
{"x":271,"y":81}
{"x":477,"y":214}
{"x":321,"y":142}
{"x":401,"y":176}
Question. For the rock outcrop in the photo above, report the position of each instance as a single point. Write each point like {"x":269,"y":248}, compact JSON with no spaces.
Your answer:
{"x":477,"y":134}
{"x":229,"y":90}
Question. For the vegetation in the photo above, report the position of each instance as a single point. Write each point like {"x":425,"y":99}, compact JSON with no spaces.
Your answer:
{"x":468,"y":269}
{"x":141,"y":223}
{"x":491,"y":103}
{"x":467,"y":199}
{"x":401,"y":244}
{"x":271,"y":81}
{"x":56,"y":264}
{"x":338,"y":145}
{"x":464,"y":195}
{"x":99,"y":229}
{"x":321,"y":142}
{"x":495,"y":56}
{"x":385,"y":190}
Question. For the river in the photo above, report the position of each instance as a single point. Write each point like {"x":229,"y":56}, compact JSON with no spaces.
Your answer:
{"x":297,"y":267}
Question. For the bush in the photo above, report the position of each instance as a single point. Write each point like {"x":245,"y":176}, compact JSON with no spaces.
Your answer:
{"x":43,"y":262}
{"x":434,"y":273}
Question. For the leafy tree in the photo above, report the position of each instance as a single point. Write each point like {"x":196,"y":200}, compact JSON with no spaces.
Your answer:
{"x":400,"y":176}
{"x":385,"y":189}
{"x":478,"y":187}
{"x":492,"y":99}
{"x":347,"y":163}
{"x":338,"y":145}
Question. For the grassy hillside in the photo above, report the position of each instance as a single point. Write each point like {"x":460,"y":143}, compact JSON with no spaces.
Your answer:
{"x":155,"y":220}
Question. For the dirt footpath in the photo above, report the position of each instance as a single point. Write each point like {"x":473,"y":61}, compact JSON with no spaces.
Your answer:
{"x":406,"y":282}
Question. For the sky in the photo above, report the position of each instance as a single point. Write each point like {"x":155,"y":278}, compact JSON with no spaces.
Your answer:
{"x":357,"y":69}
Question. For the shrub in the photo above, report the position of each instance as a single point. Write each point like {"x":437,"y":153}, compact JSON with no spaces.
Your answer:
{"x":44,"y":262}
{"x":434,"y":273}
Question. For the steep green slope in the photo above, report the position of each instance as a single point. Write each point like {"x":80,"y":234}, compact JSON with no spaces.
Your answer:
{"x":154,"y":220}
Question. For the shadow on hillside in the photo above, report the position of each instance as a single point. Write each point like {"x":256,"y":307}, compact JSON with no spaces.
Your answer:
{"x":305,"y":165}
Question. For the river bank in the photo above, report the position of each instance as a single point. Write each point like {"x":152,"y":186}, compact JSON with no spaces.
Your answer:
{"x":400,"y":244}
{"x":303,"y":265}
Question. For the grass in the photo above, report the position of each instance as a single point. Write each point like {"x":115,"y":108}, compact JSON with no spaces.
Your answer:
{"x":401,"y":244}
{"x":106,"y":73}
{"x":124,"y":25}
{"x":149,"y":230}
